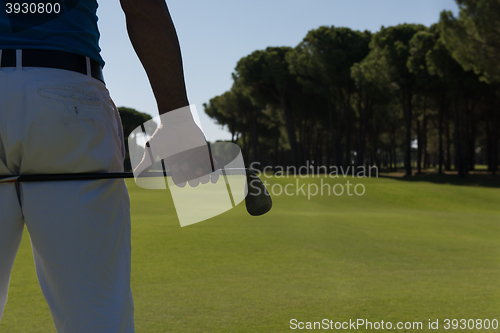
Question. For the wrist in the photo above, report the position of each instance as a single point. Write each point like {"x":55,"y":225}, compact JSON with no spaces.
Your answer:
{"x":172,"y":105}
{"x":179,"y":115}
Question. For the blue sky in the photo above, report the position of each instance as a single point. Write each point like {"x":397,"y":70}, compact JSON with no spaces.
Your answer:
{"x":214,"y":35}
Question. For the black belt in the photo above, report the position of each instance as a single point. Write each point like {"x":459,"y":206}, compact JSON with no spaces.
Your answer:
{"x":53,"y":59}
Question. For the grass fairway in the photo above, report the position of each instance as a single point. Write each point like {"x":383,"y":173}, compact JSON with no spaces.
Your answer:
{"x":404,"y":251}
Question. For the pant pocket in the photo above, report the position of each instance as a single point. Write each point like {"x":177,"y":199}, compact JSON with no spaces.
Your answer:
{"x":69,"y":132}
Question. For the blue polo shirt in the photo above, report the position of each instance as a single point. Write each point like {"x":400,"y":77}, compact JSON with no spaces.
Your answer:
{"x":64,"y":25}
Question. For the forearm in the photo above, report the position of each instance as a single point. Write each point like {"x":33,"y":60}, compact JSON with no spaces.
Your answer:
{"x":155,"y":41}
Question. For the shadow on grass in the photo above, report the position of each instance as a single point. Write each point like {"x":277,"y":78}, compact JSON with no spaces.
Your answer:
{"x":480,"y":179}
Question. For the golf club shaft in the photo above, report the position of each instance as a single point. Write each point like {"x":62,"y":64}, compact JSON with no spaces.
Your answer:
{"x":258,"y":201}
{"x":102,"y":175}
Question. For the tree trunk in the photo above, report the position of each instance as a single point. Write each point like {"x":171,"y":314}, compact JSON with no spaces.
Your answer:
{"x":361,"y":136}
{"x":375,"y":149}
{"x":246,"y":149}
{"x":440,"y":134}
{"x":290,"y":129}
{"x":317,"y":152}
{"x":459,"y":155}
{"x":489,"y":144}
{"x":276,"y":147}
{"x":447,"y":160}
{"x":364,"y":117}
{"x":472,"y":145}
{"x":347,"y":110}
{"x":335,"y":154}
{"x":496,"y":142}
{"x":347,"y":159}
{"x":424,"y":141}
{"x":253,"y":125}
{"x":389,"y":159}
{"x":419,"y":147}
{"x":393,"y":140}
{"x":329,"y":150}
{"x":470,"y":127}
{"x":406,"y":101}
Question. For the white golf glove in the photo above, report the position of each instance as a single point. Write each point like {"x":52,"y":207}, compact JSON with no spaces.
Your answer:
{"x":181,"y":144}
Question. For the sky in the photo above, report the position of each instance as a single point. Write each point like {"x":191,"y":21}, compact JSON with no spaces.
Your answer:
{"x":214,"y":35}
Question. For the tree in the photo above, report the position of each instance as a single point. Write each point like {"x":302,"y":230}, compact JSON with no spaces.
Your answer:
{"x":131,"y":119}
{"x":432,"y":90}
{"x":461,"y":89}
{"x":322,"y":62}
{"x":392,"y":44}
{"x":474,"y":37}
{"x":224,"y":110}
{"x":243,"y":118}
{"x":373,"y":87}
{"x":268,"y":80}
{"x":474,"y":41}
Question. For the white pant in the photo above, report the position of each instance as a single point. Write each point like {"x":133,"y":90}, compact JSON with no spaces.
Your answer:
{"x":58,"y":121}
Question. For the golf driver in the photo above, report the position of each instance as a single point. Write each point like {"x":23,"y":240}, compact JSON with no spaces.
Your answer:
{"x":258,"y":201}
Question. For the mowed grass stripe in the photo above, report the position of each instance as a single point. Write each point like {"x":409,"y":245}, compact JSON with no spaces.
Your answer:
{"x":404,"y":251}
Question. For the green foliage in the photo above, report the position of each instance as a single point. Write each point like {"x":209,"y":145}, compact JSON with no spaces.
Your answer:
{"x":224,"y":110}
{"x":236,"y":110}
{"x":266,"y":75}
{"x":266,"y":78}
{"x":474,"y":37}
{"x":340,"y":88}
{"x":391,"y":48}
{"x":392,"y":45}
{"x":324,"y":58}
{"x":371,"y":75}
{"x":131,"y":119}
{"x":422,"y":46}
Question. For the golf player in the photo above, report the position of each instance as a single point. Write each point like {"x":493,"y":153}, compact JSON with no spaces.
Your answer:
{"x":56,"y":116}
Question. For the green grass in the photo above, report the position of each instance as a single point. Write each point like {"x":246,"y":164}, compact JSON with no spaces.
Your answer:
{"x":405,"y":251}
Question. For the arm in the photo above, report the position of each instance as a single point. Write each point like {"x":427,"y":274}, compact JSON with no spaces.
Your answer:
{"x":155,"y":41}
{"x":178,"y":141}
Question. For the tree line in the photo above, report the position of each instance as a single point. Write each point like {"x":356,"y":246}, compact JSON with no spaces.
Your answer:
{"x":406,"y":95}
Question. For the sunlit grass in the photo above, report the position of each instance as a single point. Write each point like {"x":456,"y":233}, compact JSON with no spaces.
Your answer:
{"x":404,"y":251}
